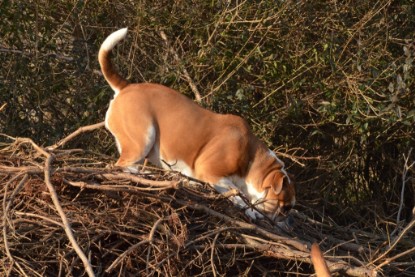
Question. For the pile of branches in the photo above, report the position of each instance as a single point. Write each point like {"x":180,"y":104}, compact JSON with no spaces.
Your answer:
{"x":68,"y":212}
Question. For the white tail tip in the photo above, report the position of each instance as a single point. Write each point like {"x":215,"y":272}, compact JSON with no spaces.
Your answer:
{"x":113,"y":39}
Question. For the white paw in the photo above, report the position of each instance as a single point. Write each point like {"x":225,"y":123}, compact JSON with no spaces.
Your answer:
{"x":253,"y":214}
{"x":131,"y":169}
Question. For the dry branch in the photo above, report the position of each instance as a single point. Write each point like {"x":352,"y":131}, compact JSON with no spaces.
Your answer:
{"x":65,"y":221}
{"x":75,"y":134}
{"x":55,"y":199}
{"x":186,"y":74}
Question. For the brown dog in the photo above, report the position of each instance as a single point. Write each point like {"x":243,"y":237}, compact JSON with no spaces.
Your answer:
{"x":155,"y":122}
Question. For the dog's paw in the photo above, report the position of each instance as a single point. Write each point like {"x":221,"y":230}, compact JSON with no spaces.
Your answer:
{"x":253,"y":214}
{"x":131,"y":169}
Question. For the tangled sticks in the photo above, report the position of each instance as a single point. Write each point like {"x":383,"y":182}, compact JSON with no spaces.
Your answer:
{"x":145,"y":224}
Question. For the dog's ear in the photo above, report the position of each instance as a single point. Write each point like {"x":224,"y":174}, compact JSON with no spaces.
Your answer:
{"x":277,"y":183}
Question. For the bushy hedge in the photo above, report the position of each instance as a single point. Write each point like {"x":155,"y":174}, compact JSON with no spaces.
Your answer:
{"x":328,"y":84}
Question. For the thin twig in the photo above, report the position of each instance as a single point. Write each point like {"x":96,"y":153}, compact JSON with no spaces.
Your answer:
{"x":5,"y":211}
{"x":396,"y":241}
{"x":212,"y":254}
{"x":123,"y":255}
{"x":40,"y":217}
{"x":55,"y":199}
{"x":186,"y":74}
{"x":3,"y":106}
{"x":65,"y":221}
{"x":119,"y":187}
{"x":405,"y":170}
{"x":75,"y":134}
{"x":389,"y":260}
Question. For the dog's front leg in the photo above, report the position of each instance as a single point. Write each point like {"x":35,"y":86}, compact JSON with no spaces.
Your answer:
{"x":225,"y":187}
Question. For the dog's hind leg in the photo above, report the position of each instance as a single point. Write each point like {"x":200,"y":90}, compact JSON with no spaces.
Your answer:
{"x":133,"y":150}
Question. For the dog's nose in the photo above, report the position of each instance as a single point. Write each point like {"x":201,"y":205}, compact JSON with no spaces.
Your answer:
{"x":286,"y":208}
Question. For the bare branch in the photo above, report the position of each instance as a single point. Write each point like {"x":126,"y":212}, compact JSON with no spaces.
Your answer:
{"x":186,"y":74}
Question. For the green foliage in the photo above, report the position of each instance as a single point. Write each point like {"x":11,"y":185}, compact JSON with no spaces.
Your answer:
{"x":328,"y":82}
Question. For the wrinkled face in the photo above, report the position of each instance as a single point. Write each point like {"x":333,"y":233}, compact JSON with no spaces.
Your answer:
{"x":280,"y":195}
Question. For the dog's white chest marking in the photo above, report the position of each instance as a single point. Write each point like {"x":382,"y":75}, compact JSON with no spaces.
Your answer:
{"x":254,"y":193}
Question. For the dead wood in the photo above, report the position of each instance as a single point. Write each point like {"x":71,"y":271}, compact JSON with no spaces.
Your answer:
{"x":151,"y":223}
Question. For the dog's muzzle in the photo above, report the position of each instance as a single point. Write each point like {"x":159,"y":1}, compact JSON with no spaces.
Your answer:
{"x":274,"y":211}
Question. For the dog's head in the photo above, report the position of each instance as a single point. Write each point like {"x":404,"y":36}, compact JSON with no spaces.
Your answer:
{"x":279,"y":195}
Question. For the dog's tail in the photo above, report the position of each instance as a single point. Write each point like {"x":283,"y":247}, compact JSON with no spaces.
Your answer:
{"x":115,"y":80}
{"x":319,"y":263}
